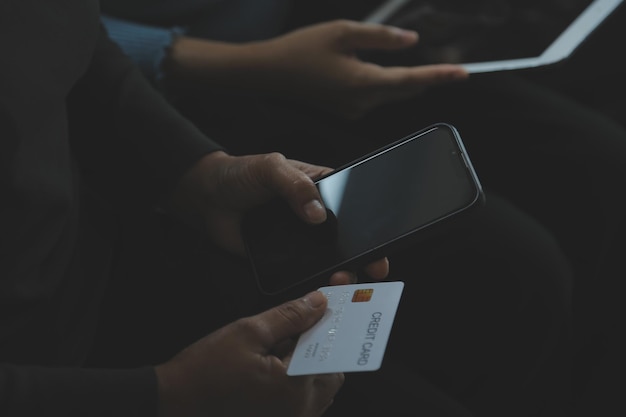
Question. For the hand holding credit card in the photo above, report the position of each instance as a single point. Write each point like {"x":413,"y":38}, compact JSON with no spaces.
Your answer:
{"x":352,"y":336}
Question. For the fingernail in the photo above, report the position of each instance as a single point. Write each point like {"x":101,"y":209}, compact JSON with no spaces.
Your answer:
{"x":314,"y":211}
{"x":314,"y":299}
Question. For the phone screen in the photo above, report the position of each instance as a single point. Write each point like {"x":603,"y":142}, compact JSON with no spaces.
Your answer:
{"x":371,"y":203}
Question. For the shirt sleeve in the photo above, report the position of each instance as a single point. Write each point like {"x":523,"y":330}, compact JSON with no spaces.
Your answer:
{"x":122,"y":132}
{"x":145,"y":44}
{"x":131,"y":139}
{"x":39,"y":391}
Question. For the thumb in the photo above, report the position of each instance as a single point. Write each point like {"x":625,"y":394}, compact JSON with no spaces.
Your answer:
{"x":292,"y":318}
{"x":376,"y":36}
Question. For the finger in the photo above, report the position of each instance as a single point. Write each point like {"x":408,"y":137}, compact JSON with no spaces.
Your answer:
{"x":343,"y":278}
{"x":327,"y":386}
{"x":284,"y":349}
{"x":332,"y":380}
{"x":378,"y":270}
{"x":287,"y":179}
{"x":290,"y":319}
{"x":312,"y":171}
{"x":357,"y":35}
{"x":421,"y":76}
{"x":322,"y":388}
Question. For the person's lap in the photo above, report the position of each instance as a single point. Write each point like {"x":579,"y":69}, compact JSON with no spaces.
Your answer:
{"x":473,"y":300}
{"x":556,"y":159}
{"x":505,"y":125}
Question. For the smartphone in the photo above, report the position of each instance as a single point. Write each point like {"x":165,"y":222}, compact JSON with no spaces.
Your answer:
{"x":375,"y":204}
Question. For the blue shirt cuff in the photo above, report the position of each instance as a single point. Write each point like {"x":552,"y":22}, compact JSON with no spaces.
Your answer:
{"x":144,"y":44}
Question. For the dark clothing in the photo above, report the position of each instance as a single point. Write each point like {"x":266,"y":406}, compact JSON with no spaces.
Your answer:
{"x":496,"y":288}
{"x":555,"y":158}
{"x":160,"y":10}
{"x":79,"y":126}
{"x":489,"y":305}
{"x":474,"y":298}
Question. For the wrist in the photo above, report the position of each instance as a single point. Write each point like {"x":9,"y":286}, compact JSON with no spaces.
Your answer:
{"x":170,"y":403}
{"x":189,"y":198}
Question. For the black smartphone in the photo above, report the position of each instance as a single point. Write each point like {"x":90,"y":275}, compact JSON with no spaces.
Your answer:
{"x":377,"y":203}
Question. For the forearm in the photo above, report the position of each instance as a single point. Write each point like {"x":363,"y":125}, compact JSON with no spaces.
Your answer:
{"x":192,"y":63}
{"x":169,"y":58}
{"x":143,"y":145}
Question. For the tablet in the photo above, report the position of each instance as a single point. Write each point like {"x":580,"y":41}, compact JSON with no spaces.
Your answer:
{"x":491,"y":35}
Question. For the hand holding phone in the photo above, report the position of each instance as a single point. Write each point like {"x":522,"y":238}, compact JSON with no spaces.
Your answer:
{"x":375,"y":204}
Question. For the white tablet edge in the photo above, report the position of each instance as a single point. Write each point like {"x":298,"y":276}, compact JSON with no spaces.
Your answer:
{"x":385,"y":11}
{"x":562,"y":47}
{"x":579,"y":29}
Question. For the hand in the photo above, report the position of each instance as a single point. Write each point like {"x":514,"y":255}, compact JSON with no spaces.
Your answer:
{"x":219,"y":188}
{"x":315,"y":65}
{"x":240,"y":369}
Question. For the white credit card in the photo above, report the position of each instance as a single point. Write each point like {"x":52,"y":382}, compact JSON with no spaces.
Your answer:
{"x":353,"y":333}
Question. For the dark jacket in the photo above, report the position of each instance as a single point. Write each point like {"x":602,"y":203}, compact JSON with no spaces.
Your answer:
{"x":82,"y":134}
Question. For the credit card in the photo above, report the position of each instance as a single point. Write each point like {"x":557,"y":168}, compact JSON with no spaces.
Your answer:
{"x":353,"y":333}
